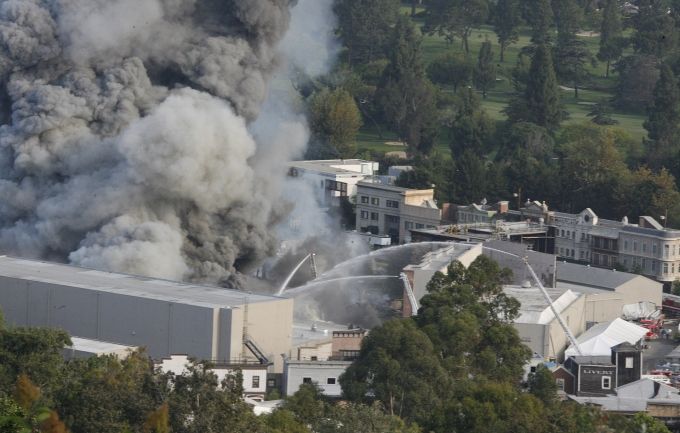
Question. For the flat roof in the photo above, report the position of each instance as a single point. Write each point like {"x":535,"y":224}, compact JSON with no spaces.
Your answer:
{"x":594,"y":277}
{"x":123,"y":284}
{"x":367,"y":183}
{"x":534,"y":307}
{"x":97,"y":346}
{"x":332,"y":166}
{"x":435,"y":260}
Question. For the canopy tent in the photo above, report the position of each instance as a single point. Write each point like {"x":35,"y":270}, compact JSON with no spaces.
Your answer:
{"x":599,"y":340}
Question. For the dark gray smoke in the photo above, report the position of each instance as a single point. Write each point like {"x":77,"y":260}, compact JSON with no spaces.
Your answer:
{"x":125,"y":142}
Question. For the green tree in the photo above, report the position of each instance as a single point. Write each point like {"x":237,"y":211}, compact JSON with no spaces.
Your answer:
{"x":542,"y":92}
{"x":655,"y":31}
{"x":364,"y":27}
{"x":611,"y":39}
{"x":405,"y":95}
{"x":571,"y":53}
{"x":648,"y":424}
{"x":468,"y":318}
{"x":542,"y":385}
{"x":35,"y":352}
{"x":335,"y":119}
{"x":306,"y":404}
{"x":592,"y":168}
{"x":470,"y":127}
{"x":600,"y":113}
{"x":454,"y":69}
{"x":485,"y":72}
{"x":644,"y":192}
{"x":470,"y":172}
{"x":398,"y":365}
{"x":663,"y":123}
{"x":283,"y":421}
{"x":361,"y":418}
{"x":456,"y":18}
{"x":158,"y":420}
{"x":108,"y":395}
{"x":638,"y":75}
{"x":506,"y":21}
{"x":539,"y":15}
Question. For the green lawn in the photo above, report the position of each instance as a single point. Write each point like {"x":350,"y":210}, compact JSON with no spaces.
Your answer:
{"x":497,"y":99}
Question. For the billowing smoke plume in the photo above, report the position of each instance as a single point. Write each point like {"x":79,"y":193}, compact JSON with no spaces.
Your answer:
{"x":127,"y":138}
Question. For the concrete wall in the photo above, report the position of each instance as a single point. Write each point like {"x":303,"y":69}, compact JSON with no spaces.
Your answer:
{"x":604,"y":307}
{"x":319,"y":372}
{"x":320,"y":351}
{"x":270,"y":324}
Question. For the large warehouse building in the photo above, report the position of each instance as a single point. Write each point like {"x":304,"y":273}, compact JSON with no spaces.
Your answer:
{"x":165,"y":317}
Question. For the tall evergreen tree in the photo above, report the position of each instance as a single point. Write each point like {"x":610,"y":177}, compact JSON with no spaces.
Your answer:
{"x":571,"y":53}
{"x":485,"y":72}
{"x":506,"y":21}
{"x":539,"y":15}
{"x":456,"y":18}
{"x":365,"y":26}
{"x":405,"y":95}
{"x":655,"y":30}
{"x":542,"y":93}
{"x":663,"y":123}
{"x":611,"y":41}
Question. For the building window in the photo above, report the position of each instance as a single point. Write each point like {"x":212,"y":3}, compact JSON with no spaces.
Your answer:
{"x":271,"y":383}
{"x":374,"y":216}
{"x":644,"y":247}
{"x":606,"y":382}
{"x":560,"y":383}
{"x":562,"y":235}
{"x":634,"y":245}
{"x":583,"y":236}
{"x":672,"y":268}
{"x":364,"y":199}
{"x":314,"y":358}
{"x":596,"y":259}
{"x":674,"y":250}
{"x":573,"y":235}
{"x":629,"y":362}
{"x":375,"y":201}
{"x":654,"y":249}
{"x":653,"y":266}
{"x":625,"y":245}
{"x":364,"y":215}
{"x":665,"y":268}
{"x":392,"y":204}
{"x":306,"y":380}
{"x":330,"y":381}
{"x":573,"y":254}
{"x":665,"y":251}
{"x":561,"y":251}
{"x":256,"y":382}
{"x":408,"y":225}
{"x":420,"y":226}
{"x":582,"y":254}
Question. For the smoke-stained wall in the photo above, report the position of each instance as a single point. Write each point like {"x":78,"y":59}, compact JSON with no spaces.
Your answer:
{"x":129,"y":141}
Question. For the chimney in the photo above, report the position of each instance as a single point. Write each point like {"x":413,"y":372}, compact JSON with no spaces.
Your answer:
{"x":503,"y":206}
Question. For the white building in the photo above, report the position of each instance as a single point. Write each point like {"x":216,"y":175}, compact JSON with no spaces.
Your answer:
{"x":537,"y":325}
{"x":333,"y":179}
{"x":254,"y":375}
{"x":324,"y":373}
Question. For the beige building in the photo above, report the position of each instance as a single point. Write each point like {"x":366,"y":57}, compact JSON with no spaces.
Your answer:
{"x":392,"y":210}
{"x":607,"y":291}
{"x":538,"y":327}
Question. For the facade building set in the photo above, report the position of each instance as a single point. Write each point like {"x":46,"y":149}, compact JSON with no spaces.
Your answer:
{"x":647,"y":247}
{"x":385,"y":209}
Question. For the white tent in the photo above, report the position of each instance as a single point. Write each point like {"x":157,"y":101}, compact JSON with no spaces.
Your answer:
{"x":599,"y":340}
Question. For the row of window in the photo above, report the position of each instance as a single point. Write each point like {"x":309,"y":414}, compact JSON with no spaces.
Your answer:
{"x":652,"y":265}
{"x":375,"y":201}
{"x":329,"y":381}
{"x":668,"y":250}
{"x":364,"y":215}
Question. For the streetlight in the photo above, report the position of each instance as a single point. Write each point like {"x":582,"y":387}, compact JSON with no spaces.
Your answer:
{"x":664,"y":218}
{"x":518,"y":196}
